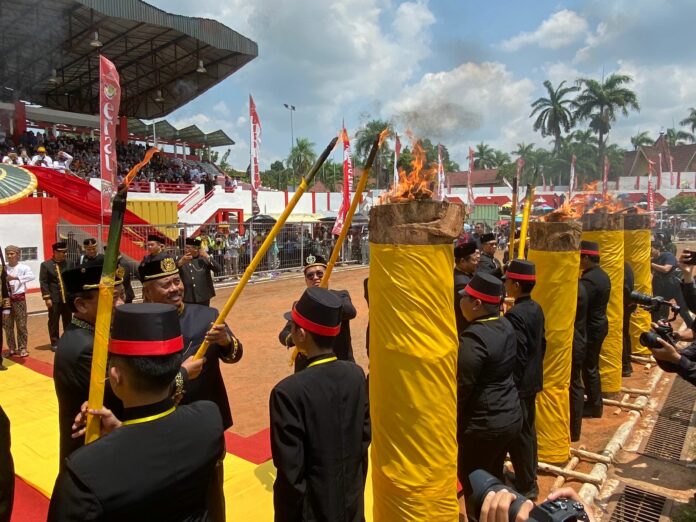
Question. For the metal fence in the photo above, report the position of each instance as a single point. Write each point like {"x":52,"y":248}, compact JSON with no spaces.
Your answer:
{"x":230,"y":245}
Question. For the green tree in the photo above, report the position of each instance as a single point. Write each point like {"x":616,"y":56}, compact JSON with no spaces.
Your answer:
{"x":675,"y":137}
{"x":599,"y":102}
{"x":642,"y":139}
{"x":484,"y":156}
{"x":690,"y":120}
{"x":302,"y":157}
{"x":554,"y":112}
{"x":682,"y":204}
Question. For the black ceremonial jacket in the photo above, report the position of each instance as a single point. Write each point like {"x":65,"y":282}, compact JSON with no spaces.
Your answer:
{"x":597,"y":287}
{"x":489,"y":265}
{"x":527,"y":319}
{"x":197,"y":279}
{"x":51,"y":282}
{"x":71,"y":369}
{"x":153,"y":470}
{"x":195,"y":322}
{"x":343,"y":344}
{"x":320,"y":433}
{"x":461,"y":279}
{"x":580,"y":326}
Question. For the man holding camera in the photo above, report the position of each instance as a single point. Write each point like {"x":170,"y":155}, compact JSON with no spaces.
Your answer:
{"x":666,"y":282}
{"x":196,"y":268}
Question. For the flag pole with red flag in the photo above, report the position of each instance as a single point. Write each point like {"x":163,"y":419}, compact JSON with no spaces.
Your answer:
{"x":347,"y":184}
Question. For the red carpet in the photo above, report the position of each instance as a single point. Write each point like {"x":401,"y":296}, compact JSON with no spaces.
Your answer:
{"x":29,"y":504}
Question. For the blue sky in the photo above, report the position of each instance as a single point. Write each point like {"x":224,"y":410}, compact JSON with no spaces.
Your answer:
{"x":455,"y":71}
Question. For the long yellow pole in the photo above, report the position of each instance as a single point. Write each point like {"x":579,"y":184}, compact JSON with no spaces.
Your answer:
{"x":349,"y":216}
{"x":525,"y":221}
{"x":304,"y":184}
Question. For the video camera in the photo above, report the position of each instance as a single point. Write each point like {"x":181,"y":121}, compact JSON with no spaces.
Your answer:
{"x":689,"y":257}
{"x":559,"y":510}
{"x":664,"y":330}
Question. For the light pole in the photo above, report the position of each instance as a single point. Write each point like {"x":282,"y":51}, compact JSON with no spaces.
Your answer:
{"x":290,"y":108}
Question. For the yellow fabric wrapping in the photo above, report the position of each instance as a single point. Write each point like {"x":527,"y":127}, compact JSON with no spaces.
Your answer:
{"x":611,"y":248}
{"x":413,"y":372}
{"x":556,"y":290}
{"x":637,"y":254}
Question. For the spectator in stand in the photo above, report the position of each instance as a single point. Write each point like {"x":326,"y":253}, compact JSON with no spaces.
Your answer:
{"x":63,"y":161}
{"x":18,"y":275}
{"x":41,"y":159}
{"x":12,"y":158}
{"x":234,"y":245}
{"x":209,"y":184}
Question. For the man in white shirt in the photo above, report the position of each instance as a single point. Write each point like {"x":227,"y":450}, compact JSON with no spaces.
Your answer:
{"x":41,"y":159}
{"x":18,"y":275}
{"x":62,"y":162}
{"x":13,"y":159}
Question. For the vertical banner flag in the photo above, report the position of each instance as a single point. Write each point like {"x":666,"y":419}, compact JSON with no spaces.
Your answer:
{"x":543,"y":180}
{"x":605,"y":177}
{"x":469,"y":189}
{"x":254,"y":174}
{"x":659,"y":170}
{"x":440,"y":175}
{"x":651,"y":195}
{"x":571,"y":185}
{"x":671,"y":172}
{"x":109,"y":102}
{"x":397,"y":153}
{"x":347,"y":183}
{"x":518,"y":172}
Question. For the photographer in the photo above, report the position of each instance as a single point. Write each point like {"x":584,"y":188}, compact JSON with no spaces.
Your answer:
{"x":666,"y":282}
{"x":686,"y":265}
{"x":673,"y":360}
{"x":496,"y":505}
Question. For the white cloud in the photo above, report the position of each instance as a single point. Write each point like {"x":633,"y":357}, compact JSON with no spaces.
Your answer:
{"x":561,"y":29}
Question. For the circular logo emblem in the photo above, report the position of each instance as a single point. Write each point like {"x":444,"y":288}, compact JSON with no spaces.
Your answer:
{"x":109,"y":91}
{"x":310,"y":259}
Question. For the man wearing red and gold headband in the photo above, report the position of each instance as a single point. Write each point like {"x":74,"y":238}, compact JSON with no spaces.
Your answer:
{"x":320,"y":423}
{"x":527,"y":320}
{"x":158,"y":460}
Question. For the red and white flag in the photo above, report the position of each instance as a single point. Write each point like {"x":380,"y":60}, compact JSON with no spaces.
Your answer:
{"x":518,"y":172}
{"x":397,"y":154}
{"x":571,"y":185}
{"x":671,"y":172}
{"x":440,"y":174}
{"x":605,"y":176}
{"x":651,"y":195}
{"x":469,"y":188}
{"x":543,"y":180}
{"x":659,"y":170}
{"x":255,"y":140}
{"x":109,"y":102}
{"x":347,"y":184}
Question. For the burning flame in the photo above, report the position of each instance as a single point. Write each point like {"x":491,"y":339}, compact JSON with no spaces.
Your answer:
{"x":566,"y":212}
{"x":383,"y":136}
{"x":415,"y":184}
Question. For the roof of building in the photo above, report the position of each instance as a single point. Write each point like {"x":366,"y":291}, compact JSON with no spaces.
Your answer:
{"x":479,"y":177}
{"x":491,"y":200}
{"x":158,"y":54}
{"x":683,"y":157}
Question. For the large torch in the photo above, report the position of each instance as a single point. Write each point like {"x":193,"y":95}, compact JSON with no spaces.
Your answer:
{"x":607,"y":229}
{"x":413,"y":357}
{"x":637,"y":255}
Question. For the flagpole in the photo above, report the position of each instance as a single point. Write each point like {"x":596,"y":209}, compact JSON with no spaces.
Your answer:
{"x":304,"y":184}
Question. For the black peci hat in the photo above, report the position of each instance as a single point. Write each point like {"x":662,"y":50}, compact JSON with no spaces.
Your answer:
{"x":193,"y":241}
{"x":155,"y":237}
{"x":161,"y":266}
{"x":89,"y":241}
{"x":85,"y":277}
{"x":589,"y":248}
{"x":485,"y":238}
{"x":521,"y":270}
{"x":485,"y":287}
{"x":145,"y":330}
{"x":465,"y":250}
{"x":312,"y":260}
{"x":60,"y":246}
{"x":318,"y":311}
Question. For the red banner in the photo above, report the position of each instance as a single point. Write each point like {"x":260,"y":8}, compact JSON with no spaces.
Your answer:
{"x":605,"y":177}
{"x":518,"y":172}
{"x":651,"y":194}
{"x":671,"y":172}
{"x":255,"y":141}
{"x":109,"y":103}
{"x":347,"y":184}
{"x":659,"y":170}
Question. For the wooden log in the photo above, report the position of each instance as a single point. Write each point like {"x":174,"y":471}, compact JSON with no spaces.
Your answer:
{"x":642,"y":360}
{"x":635,"y":391}
{"x":555,"y":237}
{"x":422,"y":222}
{"x":588,"y":455}
{"x":636,"y":221}
{"x":599,"y":221}
{"x":583,"y":477}
{"x":560,"y":479}
{"x":626,"y":405}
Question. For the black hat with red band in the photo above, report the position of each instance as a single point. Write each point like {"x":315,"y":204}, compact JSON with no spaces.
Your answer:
{"x":318,"y":311}
{"x":146,"y":330}
{"x":521,"y":270}
{"x":484,"y":287}
{"x":589,"y":248}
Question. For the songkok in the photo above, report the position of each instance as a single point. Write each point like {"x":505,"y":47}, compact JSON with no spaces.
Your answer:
{"x":485,"y":238}
{"x":318,"y":311}
{"x":146,"y":330}
{"x":60,"y":246}
{"x":154,"y":237}
{"x":85,"y":277}
{"x":465,"y":250}
{"x":312,"y":260}
{"x":160,"y":266}
{"x":90,"y":241}
{"x":589,"y":248}
{"x":193,"y":241}
{"x":485,"y":287}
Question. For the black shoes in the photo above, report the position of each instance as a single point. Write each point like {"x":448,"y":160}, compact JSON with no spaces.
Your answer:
{"x":592,"y":413}
{"x":3,"y":368}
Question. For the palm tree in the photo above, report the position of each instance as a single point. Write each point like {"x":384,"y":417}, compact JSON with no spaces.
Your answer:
{"x":554,"y":111}
{"x":675,"y":137}
{"x":642,"y":139}
{"x":364,"y":139}
{"x":599,"y":102}
{"x":690,"y":120}
{"x":484,"y":157}
{"x":302,"y":156}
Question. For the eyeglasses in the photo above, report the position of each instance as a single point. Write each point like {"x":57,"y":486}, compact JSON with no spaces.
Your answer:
{"x":312,"y":275}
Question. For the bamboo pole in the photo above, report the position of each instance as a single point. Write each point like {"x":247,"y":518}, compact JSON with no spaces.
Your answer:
{"x":590,"y":455}
{"x":258,"y":256}
{"x":621,"y":404}
{"x":568,"y":473}
{"x":513,"y":215}
{"x":560,"y":479}
{"x":525,"y":221}
{"x":362,"y":183}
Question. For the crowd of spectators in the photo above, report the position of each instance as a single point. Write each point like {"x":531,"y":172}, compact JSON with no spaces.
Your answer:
{"x":80,"y":156}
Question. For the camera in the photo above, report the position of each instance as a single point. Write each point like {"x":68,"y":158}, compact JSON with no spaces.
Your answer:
{"x":664,"y":329}
{"x":559,"y":510}
{"x":689,"y":257}
{"x":650,"y":339}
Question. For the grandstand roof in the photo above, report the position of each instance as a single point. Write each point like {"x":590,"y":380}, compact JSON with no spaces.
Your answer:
{"x":153,"y":51}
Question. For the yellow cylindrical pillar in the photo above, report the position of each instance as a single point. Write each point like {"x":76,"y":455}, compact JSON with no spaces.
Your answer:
{"x":554,"y":249}
{"x":607,"y":230}
{"x":637,"y":254}
{"x":413,"y":361}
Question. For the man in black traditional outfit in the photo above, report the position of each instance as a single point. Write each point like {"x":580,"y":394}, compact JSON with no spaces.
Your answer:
{"x":196,"y":268}
{"x":488,"y":264}
{"x":91,"y":256}
{"x":320,"y":425}
{"x":466,"y":258}
{"x":314,"y":269}
{"x":53,"y":291}
{"x":158,"y":460}
{"x":154,"y":246}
